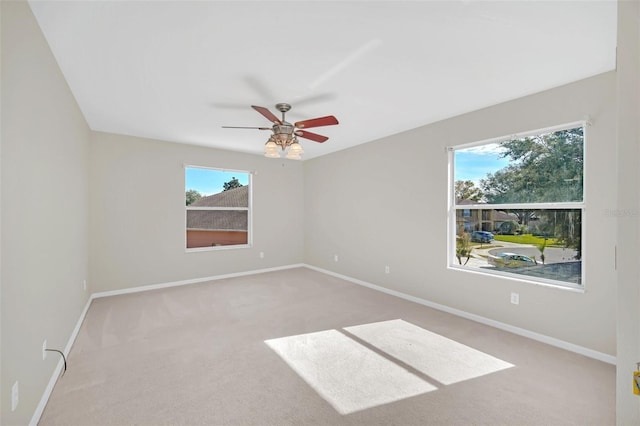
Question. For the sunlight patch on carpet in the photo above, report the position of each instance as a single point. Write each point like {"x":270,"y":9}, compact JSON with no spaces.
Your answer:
{"x":345,"y":373}
{"x":373,"y":364}
{"x":436,"y":356}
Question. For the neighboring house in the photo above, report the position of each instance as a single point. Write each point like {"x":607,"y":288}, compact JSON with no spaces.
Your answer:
{"x":471,"y":220}
{"x":499,"y":217}
{"x":206,"y":228}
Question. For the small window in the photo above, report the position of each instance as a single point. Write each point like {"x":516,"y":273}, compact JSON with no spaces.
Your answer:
{"x":218,"y":208}
{"x":526,"y":198}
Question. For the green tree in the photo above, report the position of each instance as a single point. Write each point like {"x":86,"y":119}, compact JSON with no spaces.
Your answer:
{"x":568,"y":229}
{"x":463,"y":247}
{"x":192,"y":196}
{"x":544,"y":168}
{"x":510,"y":227}
{"x":233,"y":183}
{"x":467,"y":190}
{"x":541,"y":247}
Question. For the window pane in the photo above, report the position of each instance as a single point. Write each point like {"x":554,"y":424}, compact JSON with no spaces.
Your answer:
{"x":208,"y":190}
{"x":207,"y":228}
{"x":543,"y":168}
{"x":540,"y":243}
{"x":206,"y":182}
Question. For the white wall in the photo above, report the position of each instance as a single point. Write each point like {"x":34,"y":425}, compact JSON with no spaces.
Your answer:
{"x":44,"y":211}
{"x":385,"y":203}
{"x":628,"y":90}
{"x":138,"y":216}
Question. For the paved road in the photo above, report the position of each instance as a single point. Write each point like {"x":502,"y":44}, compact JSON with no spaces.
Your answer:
{"x":551,"y":254}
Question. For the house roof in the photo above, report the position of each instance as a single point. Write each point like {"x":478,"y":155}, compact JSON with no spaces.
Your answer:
{"x":499,"y":215}
{"x":217,"y":220}
{"x":221,"y":220}
{"x":236,"y":197}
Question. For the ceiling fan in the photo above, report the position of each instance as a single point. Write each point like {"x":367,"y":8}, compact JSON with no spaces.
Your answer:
{"x":286,"y":134}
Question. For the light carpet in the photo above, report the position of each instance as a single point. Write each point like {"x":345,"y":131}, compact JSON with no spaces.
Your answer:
{"x":298,"y":347}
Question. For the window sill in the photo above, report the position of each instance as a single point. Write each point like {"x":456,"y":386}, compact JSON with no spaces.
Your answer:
{"x":522,"y":279}
{"x":217,"y":248}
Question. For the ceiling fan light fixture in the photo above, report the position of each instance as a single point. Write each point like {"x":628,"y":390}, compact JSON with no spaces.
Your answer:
{"x":283,"y":139}
{"x":293,"y":156}
{"x":285,"y":135}
{"x":270,"y":145}
{"x":271,"y":149}
{"x":296,"y":148}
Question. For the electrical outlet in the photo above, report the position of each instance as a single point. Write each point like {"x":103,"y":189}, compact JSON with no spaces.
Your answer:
{"x":44,"y":351}
{"x":261,"y":255}
{"x":84,"y":285}
{"x":387,"y":270}
{"x":335,"y":257}
{"x":15,"y":396}
{"x":515,"y":298}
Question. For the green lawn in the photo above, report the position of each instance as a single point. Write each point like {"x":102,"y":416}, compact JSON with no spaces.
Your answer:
{"x":526,"y":239}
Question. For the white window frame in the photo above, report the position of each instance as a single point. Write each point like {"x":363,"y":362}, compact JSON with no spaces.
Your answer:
{"x":582,"y":206}
{"x":249,"y":210}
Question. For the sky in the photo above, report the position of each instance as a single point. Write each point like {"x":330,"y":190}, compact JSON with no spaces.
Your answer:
{"x":474,"y":163}
{"x":210,"y":181}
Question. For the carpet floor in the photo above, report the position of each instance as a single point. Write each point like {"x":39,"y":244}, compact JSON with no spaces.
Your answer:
{"x":298,"y":347}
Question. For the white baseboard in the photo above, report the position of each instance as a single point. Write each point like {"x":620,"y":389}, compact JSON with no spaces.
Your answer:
{"x":191,"y":281}
{"x":35,"y":419}
{"x":609,"y":359}
{"x":502,"y":326}
{"x":74,"y":334}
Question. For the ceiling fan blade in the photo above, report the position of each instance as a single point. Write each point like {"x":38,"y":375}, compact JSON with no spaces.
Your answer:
{"x":311,"y":136}
{"x":245,"y":127}
{"x":329,"y":120}
{"x":268,"y":114}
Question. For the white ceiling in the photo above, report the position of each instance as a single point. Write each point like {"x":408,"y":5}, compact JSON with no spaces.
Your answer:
{"x":178,"y":70}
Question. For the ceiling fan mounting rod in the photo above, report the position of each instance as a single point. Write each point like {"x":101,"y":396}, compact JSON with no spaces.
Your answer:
{"x":283,"y":107}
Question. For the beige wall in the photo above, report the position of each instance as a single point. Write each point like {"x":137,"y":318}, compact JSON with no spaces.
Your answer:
{"x":385,"y":203}
{"x":370,"y":205}
{"x":628,"y":90}
{"x":44,"y":211}
{"x":137,"y":210}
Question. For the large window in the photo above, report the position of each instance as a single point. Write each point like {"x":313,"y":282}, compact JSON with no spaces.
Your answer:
{"x":218,"y":208}
{"x":517,"y":206}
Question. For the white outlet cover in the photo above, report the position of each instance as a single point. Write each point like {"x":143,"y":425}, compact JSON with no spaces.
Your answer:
{"x":44,"y":352}
{"x":335,"y":257}
{"x":515,"y":298}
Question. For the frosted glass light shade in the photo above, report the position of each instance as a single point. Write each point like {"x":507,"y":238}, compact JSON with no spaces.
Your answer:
{"x":293,"y":156}
{"x":296,"y":148}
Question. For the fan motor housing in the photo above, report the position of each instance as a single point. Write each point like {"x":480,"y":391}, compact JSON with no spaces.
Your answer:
{"x":285,"y":127}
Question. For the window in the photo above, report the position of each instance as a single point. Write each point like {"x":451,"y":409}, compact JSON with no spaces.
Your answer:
{"x":526,"y":198}
{"x":218,"y":208}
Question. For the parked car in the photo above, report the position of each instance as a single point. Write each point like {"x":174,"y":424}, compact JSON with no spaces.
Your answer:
{"x":481,"y":236}
{"x":510,"y":260}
